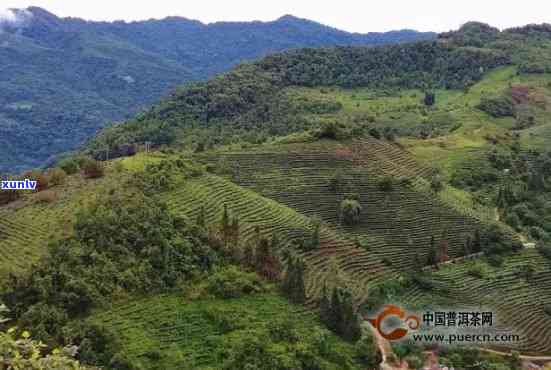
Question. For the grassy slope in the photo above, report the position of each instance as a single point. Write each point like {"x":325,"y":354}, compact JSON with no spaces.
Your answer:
{"x":28,"y":225}
{"x":403,"y":109}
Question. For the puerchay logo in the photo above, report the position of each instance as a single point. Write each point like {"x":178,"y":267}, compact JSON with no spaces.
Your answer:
{"x":18,"y":185}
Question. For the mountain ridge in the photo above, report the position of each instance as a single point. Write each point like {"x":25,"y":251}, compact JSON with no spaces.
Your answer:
{"x":112,"y":70}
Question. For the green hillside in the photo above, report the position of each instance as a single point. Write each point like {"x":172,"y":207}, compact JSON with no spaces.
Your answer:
{"x":310,"y":187}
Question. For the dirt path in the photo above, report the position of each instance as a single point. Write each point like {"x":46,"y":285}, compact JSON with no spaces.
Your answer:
{"x":522,"y":357}
{"x":386,"y":350}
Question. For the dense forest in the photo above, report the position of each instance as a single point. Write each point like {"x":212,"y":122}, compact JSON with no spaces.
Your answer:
{"x":113,"y":70}
{"x":254,"y":96}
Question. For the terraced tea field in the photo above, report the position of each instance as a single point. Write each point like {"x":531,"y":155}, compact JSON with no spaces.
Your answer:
{"x":27,"y":226}
{"x":517,"y":299}
{"x":399,"y":224}
{"x":167,"y":332}
{"x":254,"y":210}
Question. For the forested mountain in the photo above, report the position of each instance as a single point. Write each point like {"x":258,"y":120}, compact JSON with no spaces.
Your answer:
{"x":255,"y":96}
{"x":61,"y":79}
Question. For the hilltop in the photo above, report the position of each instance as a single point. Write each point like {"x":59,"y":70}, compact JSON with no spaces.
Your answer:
{"x":62,"y":79}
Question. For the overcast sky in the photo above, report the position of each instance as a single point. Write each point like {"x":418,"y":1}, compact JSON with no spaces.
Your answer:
{"x":350,"y":15}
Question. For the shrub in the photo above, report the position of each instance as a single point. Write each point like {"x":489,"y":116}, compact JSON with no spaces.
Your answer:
{"x":513,"y":220}
{"x":92,"y":169}
{"x":538,"y":233}
{"x":69,"y":165}
{"x":367,"y":351}
{"x":210,"y":168}
{"x":436,"y":183}
{"x":56,"y":176}
{"x":495,"y":260}
{"x":118,"y":167}
{"x":497,"y":106}
{"x":424,"y":281}
{"x":415,"y":361}
{"x":329,"y":130}
{"x":41,"y":179}
{"x":283,"y":330}
{"x":525,"y":271}
{"x":545,"y":250}
{"x":337,"y":181}
{"x":47,"y":196}
{"x":231,"y":282}
{"x":386,"y":184}
{"x":362,"y":243}
{"x":375,"y":133}
{"x":121,"y":362}
{"x":477,"y":270}
{"x":350,"y":211}
{"x":19,"y":351}
{"x":314,"y":239}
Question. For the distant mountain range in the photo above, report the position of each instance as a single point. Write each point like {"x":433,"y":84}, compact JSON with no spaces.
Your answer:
{"x":62,"y":79}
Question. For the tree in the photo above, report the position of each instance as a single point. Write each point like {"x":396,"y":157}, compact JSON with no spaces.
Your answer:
{"x":367,"y":351}
{"x":444,"y":245}
{"x":432,"y":258}
{"x":202,"y":218}
{"x":229,"y":228}
{"x":293,"y":279}
{"x":468,"y":245}
{"x":234,"y":231}
{"x":92,"y":169}
{"x":325,"y":306}
{"x":314,"y":239}
{"x":436,"y":183}
{"x":477,"y":242}
{"x":128,"y":239}
{"x":337,"y":181}
{"x":70,"y":165}
{"x":386,"y":184}
{"x":266,"y":262}
{"x":350,"y":211}
{"x":340,"y":315}
{"x":248,"y":255}
{"x":430,"y":98}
